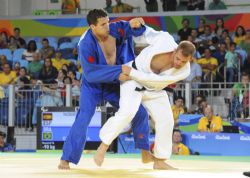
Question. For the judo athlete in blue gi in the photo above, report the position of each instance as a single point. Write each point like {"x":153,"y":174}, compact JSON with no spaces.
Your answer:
{"x":102,"y":50}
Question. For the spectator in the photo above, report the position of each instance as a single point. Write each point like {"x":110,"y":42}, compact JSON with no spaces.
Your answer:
{"x":71,"y":7}
{"x":22,"y":74}
{"x":201,"y":27}
{"x":151,"y":5}
{"x":5,"y":147}
{"x":121,"y":7}
{"x":219,"y":27}
{"x":231,"y":60}
{"x":46,"y":51}
{"x":169,"y":5}
{"x":217,"y":5}
{"x":210,"y":122}
{"x":58,"y":61}
{"x":208,"y":35}
{"x":20,"y":41}
{"x":65,"y":67}
{"x":245,"y":67}
{"x":195,"y":74}
{"x":195,"y":4}
{"x":12,"y":45}
{"x":60,"y":77}
{"x":220,"y":53}
{"x":17,"y":68}
{"x":209,"y":66}
{"x":48,"y":73}
{"x":109,"y":6}
{"x":193,"y":37}
{"x":178,"y":147}
{"x":185,"y":31}
{"x":245,"y":44}
{"x":178,"y":108}
{"x":240,"y":95}
{"x":35,"y":66}
{"x":240,"y":34}
{"x":75,"y":88}
{"x":3,"y":40}
{"x":198,"y":106}
{"x":7,"y":76}
{"x":31,"y":49}
{"x":228,"y":42}
{"x":3,"y":60}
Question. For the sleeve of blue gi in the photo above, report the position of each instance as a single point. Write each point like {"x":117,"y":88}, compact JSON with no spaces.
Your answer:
{"x":93,"y":72}
{"x":159,"y":81}
{"x":122,"y":29}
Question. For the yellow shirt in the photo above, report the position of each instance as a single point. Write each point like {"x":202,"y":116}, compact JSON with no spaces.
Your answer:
{"x":183,"y":149}
{"x":215,"y":125}
{"x":211,"y":60}
{"x":176,"y":112}
{"x":123,"y":7}
{"x":7,"y":79}
{"x":59,"y":63}
{"x":237,"y":40}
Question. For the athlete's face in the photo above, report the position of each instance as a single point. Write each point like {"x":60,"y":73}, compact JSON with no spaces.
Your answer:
{"x":180,"y":60}
{"x":102,"y":27}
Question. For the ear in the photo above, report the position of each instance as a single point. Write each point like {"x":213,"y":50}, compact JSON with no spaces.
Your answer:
{"x":92,"y":27}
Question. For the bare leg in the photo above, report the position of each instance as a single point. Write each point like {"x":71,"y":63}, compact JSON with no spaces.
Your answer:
{"x":100,"y":153}
{"x":64,"y":165}
{"x":146,"y":156}
{"x":160,"y":164}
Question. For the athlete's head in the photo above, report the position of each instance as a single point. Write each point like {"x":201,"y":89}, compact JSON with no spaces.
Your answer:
{"x":183,"y":54}
{"x":98,"y":21}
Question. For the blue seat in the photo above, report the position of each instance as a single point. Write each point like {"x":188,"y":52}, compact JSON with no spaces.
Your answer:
{"x":24,"y":63}
{"x":52,"y":39}
{"x":75,"y":40}
{"x":66,"y":45}
{"x":17,"y":55}
{"x":53,"y":44}
{"x":7,"y":53}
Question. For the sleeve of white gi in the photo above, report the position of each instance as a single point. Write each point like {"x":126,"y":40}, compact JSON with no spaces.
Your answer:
{"x":154,"y":81}
{"x":149,"y":36}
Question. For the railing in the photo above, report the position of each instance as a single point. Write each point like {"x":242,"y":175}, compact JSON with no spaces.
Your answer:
{"x":18,"y":107}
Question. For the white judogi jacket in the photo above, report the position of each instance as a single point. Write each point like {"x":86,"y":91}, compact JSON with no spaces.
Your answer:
{"x":159,"y":42}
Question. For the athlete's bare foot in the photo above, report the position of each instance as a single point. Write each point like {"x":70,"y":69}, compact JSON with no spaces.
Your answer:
{"x":146,"y":156}
{"x":100,"y":153}
{"x":64,"y":165}
{"x":161,"y":165}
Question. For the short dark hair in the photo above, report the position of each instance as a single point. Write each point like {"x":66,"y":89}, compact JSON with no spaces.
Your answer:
{"x":188,"y":48}
{"x":2,"y":134}
{"x":94,"y":15}
{"x":177,"y":130}
{"x":17,"y":29}
{"x":45,"y":39}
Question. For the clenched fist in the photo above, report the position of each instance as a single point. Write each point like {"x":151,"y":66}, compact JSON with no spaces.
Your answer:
{"x":136,"y":22}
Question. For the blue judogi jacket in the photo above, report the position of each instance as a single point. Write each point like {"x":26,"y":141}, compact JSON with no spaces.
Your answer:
{"x":95,"y":68}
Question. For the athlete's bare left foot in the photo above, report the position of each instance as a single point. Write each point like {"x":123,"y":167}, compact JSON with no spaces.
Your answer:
{"x":146,"y":156}
{"x":63,"y":165}
{"x":162,"y":165}
{"x":100,"y":153}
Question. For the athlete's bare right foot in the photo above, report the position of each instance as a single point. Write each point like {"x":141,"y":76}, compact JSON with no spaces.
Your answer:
{"x":100,"y":153}
{"x":64,"y":165}
{"x":162,"y":165}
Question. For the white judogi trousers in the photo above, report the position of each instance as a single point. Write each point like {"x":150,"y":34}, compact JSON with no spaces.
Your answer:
{"x":158,"y":106}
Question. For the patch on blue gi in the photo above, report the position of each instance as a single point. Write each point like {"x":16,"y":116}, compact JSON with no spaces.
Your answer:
{"x":91,"y":59}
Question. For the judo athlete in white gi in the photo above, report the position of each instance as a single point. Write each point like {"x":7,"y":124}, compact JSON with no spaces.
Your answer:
{"x":162,"y":63}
